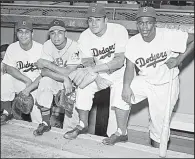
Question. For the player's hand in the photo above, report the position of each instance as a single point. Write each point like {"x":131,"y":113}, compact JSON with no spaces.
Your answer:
{"x":102,"y":83}
{"x":41,"y":63}
{"x":172,"y":62}
{"x":127,"y":94}
{"x":26,"y":91}
{"x":67,"y":85}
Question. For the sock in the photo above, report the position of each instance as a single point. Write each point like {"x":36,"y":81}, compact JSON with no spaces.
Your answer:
{"x":81,"y":124}
{"x":5,"y":112}
{"x":45,"y":112}
{"x":6,"y":105}
{"x":120,"y":132}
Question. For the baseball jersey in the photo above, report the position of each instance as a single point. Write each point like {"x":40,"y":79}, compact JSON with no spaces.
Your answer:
{"x":150,"y":57}
{"x":103,"y":48}
{"x":69,"y":55}
{"x":24,"y":60}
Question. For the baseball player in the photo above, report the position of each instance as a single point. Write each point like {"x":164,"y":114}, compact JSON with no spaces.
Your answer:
{"x":104,"y":43}
{"x":21,"y":73}
{"x":60,"y":56}
{"x":154,"y":51}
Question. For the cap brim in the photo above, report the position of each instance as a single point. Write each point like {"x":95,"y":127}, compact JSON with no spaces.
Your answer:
{"x":96,"y":15}
{"x":57,"y":28}
{"x":24,"y":27}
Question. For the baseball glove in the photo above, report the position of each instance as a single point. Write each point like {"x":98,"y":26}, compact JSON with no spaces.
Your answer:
{"x":22,"y":104}
{"x":66,"y":101}
{"x":83,"y":77}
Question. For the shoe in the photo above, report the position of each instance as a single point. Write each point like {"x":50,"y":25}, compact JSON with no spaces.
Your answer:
{"x":72,"y":134}
{"x":114,"y":138}
{"x":41,"y":129}
{"x":5,"y":118}
{"x":154,"y":143}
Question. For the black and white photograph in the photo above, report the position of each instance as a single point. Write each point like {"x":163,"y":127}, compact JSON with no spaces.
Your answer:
{"x":97,"y":79}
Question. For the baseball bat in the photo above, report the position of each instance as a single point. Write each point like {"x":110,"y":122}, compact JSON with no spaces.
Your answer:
{"x":166,"y":123}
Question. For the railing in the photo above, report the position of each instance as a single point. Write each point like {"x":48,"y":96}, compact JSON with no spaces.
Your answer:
{"x":75,"y":16}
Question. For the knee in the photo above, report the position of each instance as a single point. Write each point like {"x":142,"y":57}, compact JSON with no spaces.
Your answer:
{"x":45,"y":82}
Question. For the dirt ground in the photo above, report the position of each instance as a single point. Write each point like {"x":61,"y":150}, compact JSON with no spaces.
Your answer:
{"x":17,"y":141}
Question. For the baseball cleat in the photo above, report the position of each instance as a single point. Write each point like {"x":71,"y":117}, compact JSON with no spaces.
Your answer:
{"x":72,"y":134}
{"x":114,"y":138}
{"x":41,"y":129}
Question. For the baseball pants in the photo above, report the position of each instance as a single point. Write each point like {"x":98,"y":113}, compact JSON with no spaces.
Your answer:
{"x":11,"y":86}
{"x":85,"y":97}
{"x":157,"y":98}
{"x":46,"y":90}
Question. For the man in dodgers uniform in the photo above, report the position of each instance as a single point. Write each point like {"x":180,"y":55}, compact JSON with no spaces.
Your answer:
{"x":155,"y":51}
{"x":21,"y":73}
{"x":60,"y":56}
{"x":104,"y":43}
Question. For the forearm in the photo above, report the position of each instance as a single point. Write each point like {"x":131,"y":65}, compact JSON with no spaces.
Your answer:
{"x":111,"y":66}
{"x":16,"y":74}
{"x":60,"y":70}
{"x":190,"y":49}
{"x":55,"y":76}
{"x":128,"y":74}
{"x":34,"y":84}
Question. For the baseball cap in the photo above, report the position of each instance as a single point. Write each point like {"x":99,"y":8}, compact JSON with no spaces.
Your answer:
{"x":96,"y":10}
{"x":146,"y":12}
{"x":57,"y":24}
{"x":24,"y":24}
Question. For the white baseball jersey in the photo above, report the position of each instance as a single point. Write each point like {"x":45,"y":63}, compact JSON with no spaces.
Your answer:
{"x":104,"y":48}
{"x":150,"y":57}
{"x":24,"y":60}
{"x":69,"y":55}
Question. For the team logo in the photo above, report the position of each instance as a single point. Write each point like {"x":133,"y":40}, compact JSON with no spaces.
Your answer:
{"x":75,"y":56}
{"x":56,"y":22}
{"x":93,"y":9}
{"x":24,"y":23}
{"x":145,"y":9}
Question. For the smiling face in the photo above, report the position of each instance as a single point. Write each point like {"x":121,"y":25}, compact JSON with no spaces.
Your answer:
{"x":58,"y":38}
{"x":97,"y":25}
{"x":147,"y":28}
{"x":24,"y":36}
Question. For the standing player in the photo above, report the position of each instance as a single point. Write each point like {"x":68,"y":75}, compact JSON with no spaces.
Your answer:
{"x":60,"y":56}
{"x":21,"y":73}
{"x":154,"y":51}
{"x":104,"y":43}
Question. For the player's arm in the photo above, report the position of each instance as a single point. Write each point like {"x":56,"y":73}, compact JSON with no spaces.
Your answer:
{"x":45,"y":72}
{"x":115,"y":64}
{"x":127,"y":79}
{"x":65,"y":71}
{"x":189,"y":49}
{"x":18,"y":75}
{"x":34,"y":85}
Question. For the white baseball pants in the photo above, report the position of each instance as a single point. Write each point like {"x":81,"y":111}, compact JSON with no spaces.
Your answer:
{"x":85,"y":97}
{"x":10,"y":86}
{"x":157,"y":98}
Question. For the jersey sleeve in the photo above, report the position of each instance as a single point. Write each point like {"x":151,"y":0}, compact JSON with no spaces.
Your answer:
{"x":130,"y":50}
{"x":84,"y":45}
{"x":177,"y":40}
{"x":46,"y":51}
{"x":9,"y":57}
{"x":121,"y":36}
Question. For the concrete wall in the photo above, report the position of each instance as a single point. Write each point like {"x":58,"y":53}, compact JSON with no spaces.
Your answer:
{"x":139,"y":113}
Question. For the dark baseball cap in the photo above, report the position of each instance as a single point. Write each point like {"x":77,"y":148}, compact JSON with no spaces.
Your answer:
{"x":146,"y":12}
{"x":24,"y":24}
{"x":57,"y":24}
{"x":96,"y":10}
